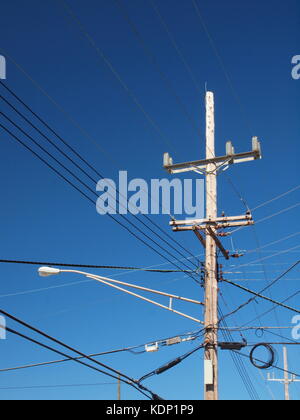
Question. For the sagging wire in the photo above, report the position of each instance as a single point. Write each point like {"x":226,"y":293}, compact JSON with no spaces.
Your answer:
{"x":170,"y":364}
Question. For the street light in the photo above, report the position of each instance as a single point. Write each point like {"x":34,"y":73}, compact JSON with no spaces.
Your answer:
{"x":50,"y":271}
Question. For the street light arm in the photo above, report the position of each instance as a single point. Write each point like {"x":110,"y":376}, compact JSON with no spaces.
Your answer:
{"x":134,"y":286}
{"x":47,"y":271}
{"x":108,"y":283}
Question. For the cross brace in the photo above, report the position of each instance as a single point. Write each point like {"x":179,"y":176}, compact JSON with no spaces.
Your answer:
{"x":201,"y":165}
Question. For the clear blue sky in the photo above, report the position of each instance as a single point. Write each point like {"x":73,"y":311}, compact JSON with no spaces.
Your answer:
{"x":42,"y":218}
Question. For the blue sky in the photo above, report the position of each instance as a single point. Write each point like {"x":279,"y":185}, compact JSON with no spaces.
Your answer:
{"x":43,"y":218}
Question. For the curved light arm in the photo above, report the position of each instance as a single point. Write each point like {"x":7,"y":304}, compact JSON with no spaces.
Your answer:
{"x":48,"y":271}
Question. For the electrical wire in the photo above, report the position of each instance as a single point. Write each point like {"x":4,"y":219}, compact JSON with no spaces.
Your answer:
{"x":175,"y":45}
{"x":162,"y":342}
{"x":12,"y":331}
{"x":79,"y":156}
{"x":76,"y":177}
{"x":259,"y":294}
{"x":105,"y":267}
{"x":123,"y":377}
{"x":272,"y":243}
{"x":252,"y":263}
{"x":222,"y":64}
{"x":274,"y":366}
{"x":170,"y":364}
{"x":274,"y":307}
{"x":100,"y":53}
{"x":264,"y":219}
{"x":87,"y":197}
{"x":239,"y":363}
{"x":21,"y":388}
{"x":276,"y":198}
{"x":265,"y":365}
{"x":113,"y":70}
{"x":153,"y":60}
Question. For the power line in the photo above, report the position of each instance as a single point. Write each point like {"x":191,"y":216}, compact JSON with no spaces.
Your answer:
{"x":271,"y":216}
{"x":257,"y":295}
{"x":74,"y":283}
{"x":221,"y":62}
{"x":87,"y":197}
{"x":69,"y":117}
{"x":278,"y":213}
{"x":82,"y":160}
{"x":106,"y":267}
{"x":123,"y":377}
{"x":20,"y":388}
{"x":175,"y":45}
{"x":12,"y":331}
{"x":171,"y":364}
{"x":70,"y":172}
{"x":163,"y":342}
{"x":269,"y":284}
{"x":236,"y":359}
{"x":286,"y":251}
{"x":153,"y":60}
{"x":276,"y":198}
{"x":116,"y":74}
{"x":247,"y":207}
{"x":239,"y":363}
{"x":272,"y":243}
{"x":273,"y":366}
{"x":274,"y":307}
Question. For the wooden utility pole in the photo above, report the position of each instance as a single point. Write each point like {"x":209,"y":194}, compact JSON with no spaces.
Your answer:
{"x":286,"y":375}
{"x":210,"y":227}
{"x":287,"y":380}
{"x":211,"y":278}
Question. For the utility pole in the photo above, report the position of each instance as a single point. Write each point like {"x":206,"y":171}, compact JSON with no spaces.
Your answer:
{"x":287,"y":380}
{"x":211,"y":280}
{"x":208,"y":232}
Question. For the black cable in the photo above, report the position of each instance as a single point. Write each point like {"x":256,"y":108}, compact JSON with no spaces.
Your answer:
{"x":83,"y":183}
{"x":153,"y":60}
{"x":19,"y":388}
{"x":245,"y":203}
{"x":92,"y":201}
{"x":170,"y":364}
{"x":280,"y":277}
{"x":259,"y":294}
{"x":274,"y":307}
{"x":83,"y":160}
{"x":274,"y":366}
{"x":55,"y":362}
{"x":237,"y":359}
{"x":285,"y":338}
{"x":128,"y":380}
{"x":10,"y":330}
{"x":127,"y":349}
{"x":106,"y":267}
{"x":239,"y":364}
{"x":264,"y":365}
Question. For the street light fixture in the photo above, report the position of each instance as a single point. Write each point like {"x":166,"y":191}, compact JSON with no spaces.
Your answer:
{"x":48,"y":271}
